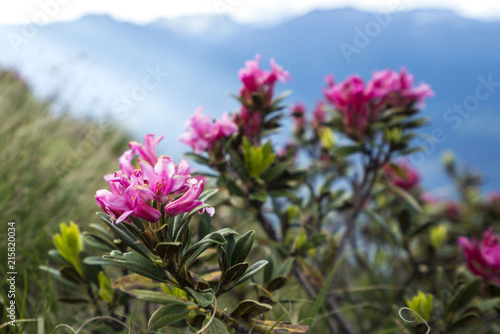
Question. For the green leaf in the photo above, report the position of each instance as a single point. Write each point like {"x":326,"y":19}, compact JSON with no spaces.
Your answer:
{"x":71,"y":274}
{"x":97,"y":242}
{"x":250,"y":308}
{"x":229,"y":247}
{"x":138,"y":264}
{"x":346,"y":150}
{"x":276,"y":171}
{"x":97,"y":261}
{"x":463,"y":297}
{"x":222,"y":259}
{"x":57,"y":275}
{"x":269,"y":270}
{"x":69,"y":244}
{"x":468,"y":318}
{"x":167,"y":250}
{"x":242,"y":248}
{"x":403,"y":194}
{"x":158,"y":297}
{"x":194,"y":251}
{"x":126,"y":236}
{"x":230,"y":185}
{"x":233,"y":274}
{"x":286,"y":267}
{"x":260,"y":196}
{"x":216,"y":326}
{"x":167,"y":315}
{"x":322,"y":294}
{"x":134,"y":281}
{"x":103,"y":231}
{"x":138,"y":223}
{"x":254,"y":269}
{"x":277,"y":283}
{"x":179,"y":226}
{"x":90,"y":271}
{"x":203,"y":298}
{"x":105,"y":291}
{"x":489,"y":304}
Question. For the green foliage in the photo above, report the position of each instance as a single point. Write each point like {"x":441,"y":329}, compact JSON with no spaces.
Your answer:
{"x":48,"y":175}
{"x":69,"y":244}
{"x":422,"y":305}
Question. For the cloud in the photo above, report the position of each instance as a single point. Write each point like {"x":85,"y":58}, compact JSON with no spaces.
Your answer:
{"x":247,"y":11}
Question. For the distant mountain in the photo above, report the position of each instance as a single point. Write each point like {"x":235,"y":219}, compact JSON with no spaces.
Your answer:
{"x":150,"y":78}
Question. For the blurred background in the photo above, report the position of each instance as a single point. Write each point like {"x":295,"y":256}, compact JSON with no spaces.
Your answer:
{"x":146,"y":67}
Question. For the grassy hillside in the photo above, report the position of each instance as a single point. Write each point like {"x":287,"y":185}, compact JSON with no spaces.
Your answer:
{"x":50,"y":168}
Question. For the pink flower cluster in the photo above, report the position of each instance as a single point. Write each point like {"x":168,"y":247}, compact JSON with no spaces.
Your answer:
{"x":201,"y":133}
{"x":157,"y":180}
{"x":405,"y":177}
{"x":483,"y":259}
{"x":360,"y":104}
{"x":257,"y":81}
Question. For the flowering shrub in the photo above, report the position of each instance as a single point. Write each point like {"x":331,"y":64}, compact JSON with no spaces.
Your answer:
{"x":339,"y":214}
{"x":483,"y":259}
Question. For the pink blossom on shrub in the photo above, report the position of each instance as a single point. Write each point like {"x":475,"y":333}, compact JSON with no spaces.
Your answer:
{"x":146,"y":151}
{"x":397,"y":88}
{"x":133,"y":192}
{"x":402,"y":175}
{"x":360,"y":104}
{"x":201,"y":133}
{"x":157,"y":182}
{"x":352,"y":100}
{"x":122,"y":202}
{"x":483,"y":259}
{"x":256,"y":80}
{"x":248,"y":121}
{"x":189,"y":200}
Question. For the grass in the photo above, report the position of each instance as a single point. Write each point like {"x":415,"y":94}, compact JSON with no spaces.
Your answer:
{"x":51,"y":167}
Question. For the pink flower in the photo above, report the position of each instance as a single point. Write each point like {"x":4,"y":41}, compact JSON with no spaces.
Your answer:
{"x":352,"y":100}
{"x":156,"y":183}
{"x":201,"y":133}
{"x":159,"y":183}
{"x":147,"y":151}
{"x":397,"y":89}
{"x":360,"y":105}
{"x":402,"y":175}
{"x":123,"y":202}
{"x":188,"y":201}
{"x":249,"y":122}
{"x":483,"y":259}
{"x":256,"y":80}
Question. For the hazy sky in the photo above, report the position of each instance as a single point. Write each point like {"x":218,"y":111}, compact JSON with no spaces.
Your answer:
{"x":256,"y":11}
